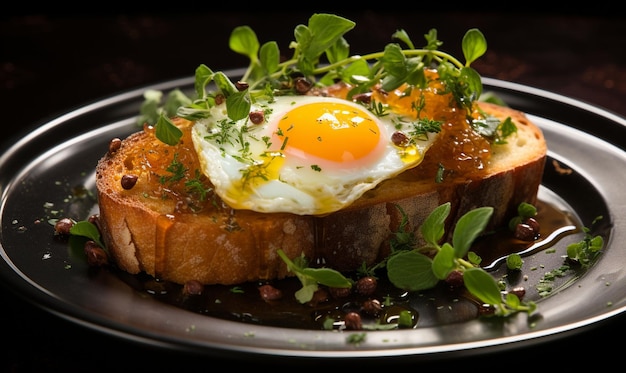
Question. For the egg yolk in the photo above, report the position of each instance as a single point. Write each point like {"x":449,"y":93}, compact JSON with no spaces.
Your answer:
{"x":329,"y":130}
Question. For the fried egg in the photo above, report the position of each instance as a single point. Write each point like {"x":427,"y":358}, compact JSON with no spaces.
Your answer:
{"x":309,"y":155}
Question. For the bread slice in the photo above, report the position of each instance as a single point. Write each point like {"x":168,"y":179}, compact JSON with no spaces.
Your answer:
{"x":162,"y":227}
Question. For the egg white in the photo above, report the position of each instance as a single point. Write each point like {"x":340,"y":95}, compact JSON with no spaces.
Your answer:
{"x":303,"y":184}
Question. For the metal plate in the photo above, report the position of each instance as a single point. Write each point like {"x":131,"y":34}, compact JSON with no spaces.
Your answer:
{"x":40,"y":170}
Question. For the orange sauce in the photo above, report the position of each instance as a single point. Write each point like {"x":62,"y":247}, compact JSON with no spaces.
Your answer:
{"x":171,"y":175}
{"x":459,"y":149}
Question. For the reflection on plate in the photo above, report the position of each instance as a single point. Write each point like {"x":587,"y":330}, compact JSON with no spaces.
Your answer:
{"x":41,"y":174}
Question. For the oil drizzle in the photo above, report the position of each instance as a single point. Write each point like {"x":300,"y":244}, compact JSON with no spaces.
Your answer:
{"x":554,"y":225}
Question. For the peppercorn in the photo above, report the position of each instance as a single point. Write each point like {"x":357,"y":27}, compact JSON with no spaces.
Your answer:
{"x":352,"y":321}
{"x":96,"y":256}
{"x":366,"y":285}
{"x":129,"y":181}
{"x":63,"y":226}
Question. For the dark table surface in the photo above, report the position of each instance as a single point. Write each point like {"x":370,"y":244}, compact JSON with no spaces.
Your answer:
{"x":51,"y":64}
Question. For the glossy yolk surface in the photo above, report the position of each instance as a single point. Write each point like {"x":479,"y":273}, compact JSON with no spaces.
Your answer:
{"x":332,"y":131}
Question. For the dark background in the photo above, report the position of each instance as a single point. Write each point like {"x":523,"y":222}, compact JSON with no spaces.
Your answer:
{"x":51,"y":63}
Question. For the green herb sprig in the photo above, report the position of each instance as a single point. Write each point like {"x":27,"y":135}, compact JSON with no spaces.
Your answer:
{"x":310,"y":278}
{"x":324,"y":37}
{"x":410,"y":268}
{"x":413,"y":270}
{"x":322,"y":55}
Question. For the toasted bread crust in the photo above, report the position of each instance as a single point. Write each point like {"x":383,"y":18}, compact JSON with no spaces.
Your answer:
{"x":225,"y":246}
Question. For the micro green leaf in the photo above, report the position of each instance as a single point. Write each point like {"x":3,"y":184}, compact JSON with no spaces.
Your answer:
{"x":355,"y":72}
{"x":328,"y":277}
{"x":310,"y":278}
{"x":203,"y":76}
{"x":468,"y":228}
{"x":306,"y":292}
{"x":404,"y":37}
{"x":175,"y":99}
{"x":432,"y":41}
{"x":243,"y":40}
{"x":474,"y":45}
{"x":166,"y":131}
{"x":482,"y":285}
{"x":405,"y":319}
{"x":586,"y":250}
{"x":238,"y":105}
{"x":325,"y":30}
{"x":270,"y":57}
{"x":338,"y":51}
{"x":492,"y":97}
{"x":526,"y":210}
{"x":505,"y":129}
{"x":411,"y":270}
{"x":487,"y":126}
{"x":474,"y":258}
{"x":395,"y":63}
{"x":88,"y":230}
{"x":473,"y":83}
{"x":417,"y":77}
{"x":433,"y":227}
{"x":514,"y":261}
{"x":443,"y":262}
{"x":149,"y":110}
{"x":224,"y":84}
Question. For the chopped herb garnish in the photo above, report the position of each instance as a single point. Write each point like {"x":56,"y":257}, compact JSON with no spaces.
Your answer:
{"x":177,"y":171}
{"x":514,"y":261}
{"x":585,"y":251}
{"x":196,"y":186}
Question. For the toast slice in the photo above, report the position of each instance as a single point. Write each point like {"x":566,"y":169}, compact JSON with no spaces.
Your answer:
{"x":158,"y":215}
